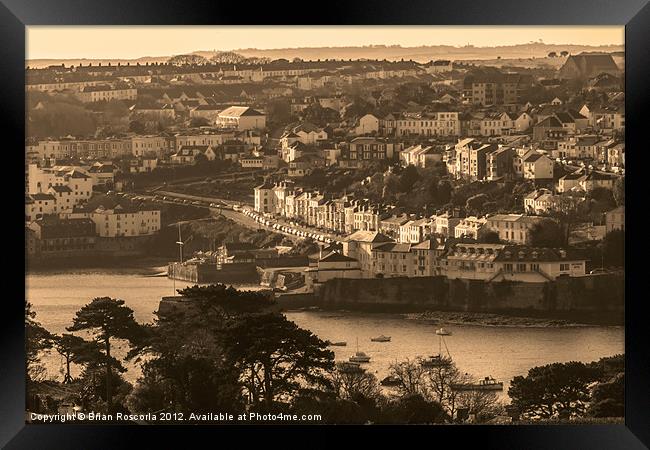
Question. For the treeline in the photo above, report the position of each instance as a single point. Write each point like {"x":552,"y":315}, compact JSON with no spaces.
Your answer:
{"x":231,"y":351}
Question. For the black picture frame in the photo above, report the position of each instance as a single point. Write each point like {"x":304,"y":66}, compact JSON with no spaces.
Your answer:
{"x":634,"y":14}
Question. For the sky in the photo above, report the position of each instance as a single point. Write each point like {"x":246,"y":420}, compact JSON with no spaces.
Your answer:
{"x":61,"y":42}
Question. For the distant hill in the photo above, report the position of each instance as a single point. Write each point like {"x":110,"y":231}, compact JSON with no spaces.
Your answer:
{"x":389,"y":52}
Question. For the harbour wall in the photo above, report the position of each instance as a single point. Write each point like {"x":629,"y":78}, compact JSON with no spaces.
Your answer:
{"x":589,"y":297}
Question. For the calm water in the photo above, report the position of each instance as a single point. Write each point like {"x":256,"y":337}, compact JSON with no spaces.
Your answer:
{"x":502,"y":352}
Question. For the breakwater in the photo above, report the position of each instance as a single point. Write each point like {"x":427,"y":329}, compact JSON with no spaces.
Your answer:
{"x":598,"y":298}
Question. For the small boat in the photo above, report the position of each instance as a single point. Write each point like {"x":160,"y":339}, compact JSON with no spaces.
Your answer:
{"x":486,"y":384}
{"x":337,"y":344}
{"x":381,"y":338}
{"x":443,"y":332}
{"x":435,"y":361}
{"x":360,"y":357}
{"x":390,"y":381}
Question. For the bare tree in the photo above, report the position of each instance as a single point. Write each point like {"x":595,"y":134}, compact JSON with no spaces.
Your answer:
{"x":350,"y":383}
{"x":411,"y":376}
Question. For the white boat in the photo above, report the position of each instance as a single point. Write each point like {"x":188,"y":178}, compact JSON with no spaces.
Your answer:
{"x":443,"y":332}
{"x":381,"y":338}
{"x":435,"y":361}
{"x":359,"y":357}
{"x":486,"y":384}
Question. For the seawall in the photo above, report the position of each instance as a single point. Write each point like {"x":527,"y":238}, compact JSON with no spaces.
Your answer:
{"x":598,"y":298}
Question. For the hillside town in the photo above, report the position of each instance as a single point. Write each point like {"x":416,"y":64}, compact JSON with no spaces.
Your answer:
{"x":395,"y":168}
{"x":373,"y":239}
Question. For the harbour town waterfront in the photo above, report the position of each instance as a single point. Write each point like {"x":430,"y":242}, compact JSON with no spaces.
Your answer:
{"x":421,"y":235}
{"x":501,"y":352}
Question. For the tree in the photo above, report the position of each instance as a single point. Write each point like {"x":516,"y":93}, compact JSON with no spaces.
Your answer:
{"x":613,"y":247}
{"x":546,"y":233}
{"x":107,"y":319}
{"x":411,"y":377}
{"x":276,"y":357}
{"x":552,"y":55}
{"x":487,"y":235}
{"x":475,"y":203}
{"x":619,"y":191}
{"x":412,"y":409}
{"x":352,"y":383}
{"x":408,"y":178}
{"x":608,"y":398}
{"x":136,"y":126}
{"x":37,"y":339}
{"x":564,"y":53}
{"x":197,"y":122}
{"x":559,"y":389}
{"x":75,"y":349}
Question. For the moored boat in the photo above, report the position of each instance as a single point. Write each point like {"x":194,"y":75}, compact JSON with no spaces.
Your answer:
{"x":435,"y":361}
{"x":443,"y":332}
{"x":381,"y":338}
{"x":486,"y":384}
{"x":337,"y":344}
{"x":360,"y":357}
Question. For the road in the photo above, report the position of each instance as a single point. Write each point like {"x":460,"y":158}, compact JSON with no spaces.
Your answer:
{"x":242,"y":218}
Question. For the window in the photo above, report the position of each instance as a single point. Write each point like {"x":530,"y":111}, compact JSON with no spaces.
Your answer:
{"x":507,"y":267}
{"x":564,"y":267}
{"x":521,"y":267}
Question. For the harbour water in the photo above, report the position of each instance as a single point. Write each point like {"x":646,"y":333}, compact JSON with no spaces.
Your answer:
{"x":501,"y":352}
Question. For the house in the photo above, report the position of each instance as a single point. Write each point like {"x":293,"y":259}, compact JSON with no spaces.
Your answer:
{"x":427,"y":257}
{"x":104,"y":92}
{"x":549,"y":128}
{"x":494,"y":88}
{"x":188,"y":154}
{"x":439,"y":66}
{"x":306,"y":133}
{"x":500,"y":164}
{"x":445,"y":224}
{"x":537,"y":166}
{"x":469,"y":227}
{"x":498,"y":124}
{"x":391,"y":259}
{"x":143,"y":164}
{"x":499,"y":262}
{"x":56,"y":237}
{"x":512,"y":227}
{"x":411,"y":155}
{"x":390,"y":226}
{"x":335,"y":265}
{"x":367,"y":149}
{"x":368,"y":124}
{"x":264,"y":198}
{"x":359,"y":245}
{"x":303,"y":165}
{"x":241,"y":118}
{"x":38,"y":205}
{"x":615,"y":219}
{"x":542,"y":201}
{"x":120,"y":221}
{"x":414,"y":231}
{"x":207,"y":112}
{"x":155,"y":111}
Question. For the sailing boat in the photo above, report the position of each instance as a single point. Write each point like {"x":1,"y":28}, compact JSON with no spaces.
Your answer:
{"x":359,"y":357}
{"x":438,"y":360}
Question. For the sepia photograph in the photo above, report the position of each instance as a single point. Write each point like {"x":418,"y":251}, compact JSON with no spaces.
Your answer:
{"x":325,"y":225}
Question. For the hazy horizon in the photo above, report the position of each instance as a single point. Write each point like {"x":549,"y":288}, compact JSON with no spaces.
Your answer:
{"x":111,"y":42}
